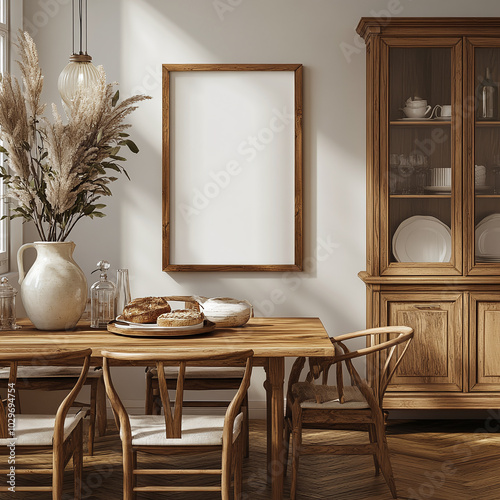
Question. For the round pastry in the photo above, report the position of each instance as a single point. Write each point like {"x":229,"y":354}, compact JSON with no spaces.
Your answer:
{"x":180,"y":317}
{"x":145,"y":309}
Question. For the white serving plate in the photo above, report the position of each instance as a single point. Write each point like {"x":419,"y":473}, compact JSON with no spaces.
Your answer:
{"x":422,"y":238}
{"x":153,"y":326}
{"x":488,"y":237}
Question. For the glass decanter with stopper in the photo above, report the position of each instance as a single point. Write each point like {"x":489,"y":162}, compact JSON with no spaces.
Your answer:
{"x":102,"y":298}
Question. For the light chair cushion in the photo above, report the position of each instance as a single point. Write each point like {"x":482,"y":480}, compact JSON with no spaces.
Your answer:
{"x":327,"y":397}
{"x":38,"y":430}
{"x":48,"y":372}
{"x":149,"y":430}
{"x":217,"y":372}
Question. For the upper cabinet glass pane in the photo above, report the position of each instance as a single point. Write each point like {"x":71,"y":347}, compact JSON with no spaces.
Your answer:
{"x":420,"y":166}
{"x":3,"y":11}
{"x":486,"y":175}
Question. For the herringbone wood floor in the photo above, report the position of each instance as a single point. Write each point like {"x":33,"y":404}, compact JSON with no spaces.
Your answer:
{"x":439,"y":460}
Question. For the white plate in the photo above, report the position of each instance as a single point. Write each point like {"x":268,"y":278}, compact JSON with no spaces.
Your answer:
{"x":487,"y":219}
{"x":443,"y":118}
{"x":422,"y":238}
{"x":153,"y":326}
{"x":488,"y":237}
{"x":488,"y":258}
{"x":438,"y":189}
{"x":420,"y":218}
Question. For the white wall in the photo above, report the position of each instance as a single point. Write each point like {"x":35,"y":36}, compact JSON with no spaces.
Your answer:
{"x":132,"y":38}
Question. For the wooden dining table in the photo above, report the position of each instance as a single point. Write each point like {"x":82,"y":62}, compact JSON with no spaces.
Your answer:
{"x":271,"y":339}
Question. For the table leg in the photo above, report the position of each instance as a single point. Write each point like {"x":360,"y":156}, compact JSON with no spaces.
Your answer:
{"x":275,"y":371}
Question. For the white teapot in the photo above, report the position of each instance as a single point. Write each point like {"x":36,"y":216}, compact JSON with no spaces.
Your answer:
{"x":225,"y":312}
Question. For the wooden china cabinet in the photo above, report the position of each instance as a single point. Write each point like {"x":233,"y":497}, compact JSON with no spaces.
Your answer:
{"x":433,"y":242}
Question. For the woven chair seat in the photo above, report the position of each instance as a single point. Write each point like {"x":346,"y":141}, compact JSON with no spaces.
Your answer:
{"x":171,"y":372}
{"x":197,"y":430}
{"x":48,"y":372}
{"x":327,"y":397}
{"x":38,"y":430}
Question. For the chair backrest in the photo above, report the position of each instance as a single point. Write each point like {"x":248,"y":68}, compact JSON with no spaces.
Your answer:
{"x":389,"y":343}
{"x":173,"y":415}
{"x":63,"y":357}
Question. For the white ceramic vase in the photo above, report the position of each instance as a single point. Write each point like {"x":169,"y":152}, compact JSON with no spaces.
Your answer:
{"x":54,"y":291}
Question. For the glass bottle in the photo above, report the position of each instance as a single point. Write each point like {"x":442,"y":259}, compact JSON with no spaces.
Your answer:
{"x":489,"y":91}
{"x":102,"y":298}
{"x":122,"y":290}
{"x":7,"y":306}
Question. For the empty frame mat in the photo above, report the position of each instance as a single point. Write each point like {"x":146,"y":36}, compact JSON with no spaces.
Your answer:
{"x":232,"y":167}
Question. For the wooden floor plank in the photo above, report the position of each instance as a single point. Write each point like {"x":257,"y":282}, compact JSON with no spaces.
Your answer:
{"x":438,"y":460}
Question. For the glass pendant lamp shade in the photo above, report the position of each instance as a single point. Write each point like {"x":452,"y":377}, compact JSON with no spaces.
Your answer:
{"x":79,"y":71}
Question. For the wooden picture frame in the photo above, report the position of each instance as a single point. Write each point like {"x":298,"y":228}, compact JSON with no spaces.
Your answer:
{"x":232,"y":167}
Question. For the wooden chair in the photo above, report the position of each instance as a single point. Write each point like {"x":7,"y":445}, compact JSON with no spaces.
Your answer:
{"x":173,"y":433}
{"x":61,"y":434}
{"x":57,"y":378}
{"x":353,"y":407}
{"x":198,"y":379}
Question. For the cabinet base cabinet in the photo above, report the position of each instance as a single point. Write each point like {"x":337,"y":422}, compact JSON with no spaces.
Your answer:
{"x":453,"y":361}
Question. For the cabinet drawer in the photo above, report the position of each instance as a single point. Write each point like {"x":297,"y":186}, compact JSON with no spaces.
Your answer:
{"x":485,"y":342}
{"x":433,"y":361}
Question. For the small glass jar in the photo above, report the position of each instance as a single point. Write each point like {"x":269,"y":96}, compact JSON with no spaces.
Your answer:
{"x":7,"y":306}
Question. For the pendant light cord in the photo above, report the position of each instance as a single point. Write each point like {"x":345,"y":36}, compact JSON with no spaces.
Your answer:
{"x":81,"y":25}
{"x":82,"y":15}
{"x":73,"y":23}
{"x":86,"y":27}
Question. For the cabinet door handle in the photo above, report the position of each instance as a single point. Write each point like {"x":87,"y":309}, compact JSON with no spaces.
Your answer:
{"x":428,"y":307}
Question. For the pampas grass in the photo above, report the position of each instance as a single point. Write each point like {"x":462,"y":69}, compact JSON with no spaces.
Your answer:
{"x":56,"y":171}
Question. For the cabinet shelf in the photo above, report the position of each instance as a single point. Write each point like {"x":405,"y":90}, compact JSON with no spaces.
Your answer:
{"x":419,"y":196}
{"x":421,"y":123}
{"x":489,"y":123}
{"x":434,"y":196}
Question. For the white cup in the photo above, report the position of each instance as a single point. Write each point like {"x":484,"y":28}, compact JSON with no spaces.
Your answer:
{"x":416,"y":112}
{"x":441,"y":177}
{"x":445,"y":110}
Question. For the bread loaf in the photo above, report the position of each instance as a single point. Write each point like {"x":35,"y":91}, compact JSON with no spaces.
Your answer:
{"x":145,"y":309}
{"x":180,"y":317}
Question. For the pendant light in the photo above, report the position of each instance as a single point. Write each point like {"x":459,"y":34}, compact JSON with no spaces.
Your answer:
{"x":80,"y":70}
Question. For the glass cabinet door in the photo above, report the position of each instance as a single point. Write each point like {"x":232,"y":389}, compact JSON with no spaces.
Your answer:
{"x":420,"y":159}
{"x":484,"y":170}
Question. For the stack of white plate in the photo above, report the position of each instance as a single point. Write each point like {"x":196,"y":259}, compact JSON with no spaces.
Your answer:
{"x":422,"y":238}
{"x":488,"y":239}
